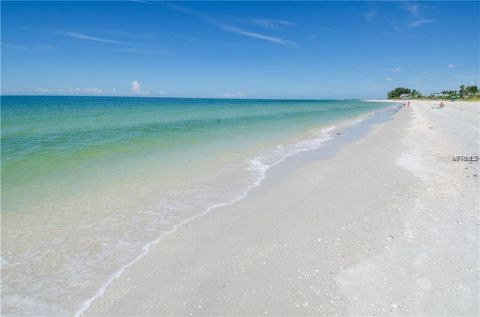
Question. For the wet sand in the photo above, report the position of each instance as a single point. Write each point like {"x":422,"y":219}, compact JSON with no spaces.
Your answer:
{"x":386,"y":226}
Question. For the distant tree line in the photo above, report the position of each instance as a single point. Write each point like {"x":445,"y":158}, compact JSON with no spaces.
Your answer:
{"x":464,"y":92}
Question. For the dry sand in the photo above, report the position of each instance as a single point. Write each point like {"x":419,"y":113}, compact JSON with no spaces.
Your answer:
{"x":387,"y":226}
{"x":432,"y":268}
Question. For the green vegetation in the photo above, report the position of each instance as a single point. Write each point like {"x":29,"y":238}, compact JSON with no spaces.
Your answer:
{"x":397,"y":92}
{"x":464,"y":92}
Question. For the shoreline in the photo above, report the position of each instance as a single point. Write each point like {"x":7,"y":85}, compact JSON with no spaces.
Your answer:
{"x":359,"y":125}
{"x":184,"y":272}
{"x":187,"y":228}
{"x":108,"y":227}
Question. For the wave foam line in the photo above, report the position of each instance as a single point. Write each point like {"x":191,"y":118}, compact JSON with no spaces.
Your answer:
{"x":255,"y":164}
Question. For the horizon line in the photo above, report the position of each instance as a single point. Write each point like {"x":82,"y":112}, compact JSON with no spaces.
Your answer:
{"x":174,"y":97}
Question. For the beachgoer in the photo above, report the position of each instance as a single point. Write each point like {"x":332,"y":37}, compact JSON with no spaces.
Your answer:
{"x":441,"y":105}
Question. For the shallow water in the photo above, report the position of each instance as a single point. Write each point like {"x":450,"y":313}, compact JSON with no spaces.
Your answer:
{"x":88,"y":182}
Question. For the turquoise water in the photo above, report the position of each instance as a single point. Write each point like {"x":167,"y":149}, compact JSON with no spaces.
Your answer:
{"x":87,"y":182}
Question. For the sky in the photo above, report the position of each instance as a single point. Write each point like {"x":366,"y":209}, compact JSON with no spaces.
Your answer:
{"x":238,"y":49}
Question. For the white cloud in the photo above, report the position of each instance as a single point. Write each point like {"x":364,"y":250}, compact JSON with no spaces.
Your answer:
{"x":10,"y":91}
{"x":238,"y":94}
{"x":411,"y":7}
{"x":230,"y":28}
{"x":90,"y":91}
{"x":137,"y":88}
{"x":417,"y":23}
{"x":135,"y":35}
{"x":451,"y":66}
{"x":93,"y":90}
{"x":415,"y":15}
{"x":396,"y":70}
{"x":272,"y":23}
{"x":86,"y":91}
{"x":388,"y":79}
{"x":86,"y":37}
{"x":136,"y":50}
{"x":75,"y":91}
{"x":42,"y":90}
{"x":272,"y":39}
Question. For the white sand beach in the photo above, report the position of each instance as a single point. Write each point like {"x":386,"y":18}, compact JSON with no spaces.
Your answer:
{"x":388,"y":225}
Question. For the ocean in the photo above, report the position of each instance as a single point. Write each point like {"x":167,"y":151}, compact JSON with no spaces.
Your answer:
{"x":90,"y":183}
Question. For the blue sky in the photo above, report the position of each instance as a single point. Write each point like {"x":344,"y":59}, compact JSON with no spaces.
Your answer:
{"x":238,"y":49}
